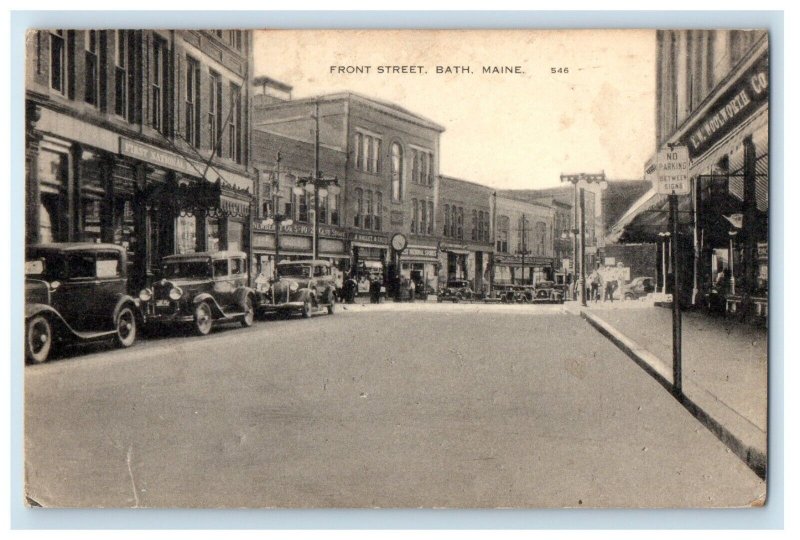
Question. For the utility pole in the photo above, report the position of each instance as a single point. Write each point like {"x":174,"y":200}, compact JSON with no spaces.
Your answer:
{"x":523,"y":249}
{"x":583,"y":246}
{"x":677,"y":384}
{"x":494,"y":242}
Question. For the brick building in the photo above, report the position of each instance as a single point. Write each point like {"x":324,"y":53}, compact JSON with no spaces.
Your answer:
{"x":465,"y":218}
{"x":389,"y":183}
{"x":140,"y":138}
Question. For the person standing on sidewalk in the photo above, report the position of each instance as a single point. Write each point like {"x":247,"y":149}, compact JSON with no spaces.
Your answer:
{"x":596,"y":283}
{"x":611,"y":286}
{"x":412,"y":290}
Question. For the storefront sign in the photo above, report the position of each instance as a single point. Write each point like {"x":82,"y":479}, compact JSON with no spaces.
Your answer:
{"x":369,"y":238}
{"x":156,"y":156}
{"x":731,"y":108}
{"x":419,"y":252}
{"x":302,"y":229}
{"x":672,"y":171}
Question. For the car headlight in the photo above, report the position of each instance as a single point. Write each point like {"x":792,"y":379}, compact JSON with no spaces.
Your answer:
{"x":175,"y":293}
{"x":145,"y":295}
{"x":293,"y":286}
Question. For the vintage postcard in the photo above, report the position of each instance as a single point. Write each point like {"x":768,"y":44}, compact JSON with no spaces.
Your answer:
{"x":396,"y":268}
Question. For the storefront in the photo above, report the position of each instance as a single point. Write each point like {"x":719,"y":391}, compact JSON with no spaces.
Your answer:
{"x":421,"y":264}
{"x":514,"y":270}
{"x":369,"y":258}
{"x":89,"y":184}
{"x":296,"y":242}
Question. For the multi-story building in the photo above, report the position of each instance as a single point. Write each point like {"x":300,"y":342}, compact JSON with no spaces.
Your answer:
{"x":389,"y":182}
{"x":140,"y":138}
{"x":712,"y":96}
{"x":465,"y":219}
{"x":524,"y":248}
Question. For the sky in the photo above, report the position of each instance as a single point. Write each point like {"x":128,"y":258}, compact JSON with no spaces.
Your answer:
{"x":507,"y":130}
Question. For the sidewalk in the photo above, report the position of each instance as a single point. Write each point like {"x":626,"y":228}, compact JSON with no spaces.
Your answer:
{"x":724,"y":363}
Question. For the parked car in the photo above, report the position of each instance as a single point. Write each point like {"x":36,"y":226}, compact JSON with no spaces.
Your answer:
{"x":76,"y":292}
{"x":455,"y":291}
{"x":305,"y":286}
{"x":200,"y":289}
{"x":637,"y":288}
{"x":547,"y":292}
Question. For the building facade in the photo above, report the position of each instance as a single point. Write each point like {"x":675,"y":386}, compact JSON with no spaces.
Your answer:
{"x":389,"y":182}
{"x":524,"y":247}
{"x":713,"y":98}
{"x":139,"y":138}
{"x":465,"y":231}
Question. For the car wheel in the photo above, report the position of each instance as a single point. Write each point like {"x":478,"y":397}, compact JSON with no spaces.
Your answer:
{"x":628,"y":296}
{"x":126,"y":328}
{"x":332,"y":306}
{"x":249,"y":312}
{"x":306,"y":312}
{"x":203,"y":320}
{"x":38,"y":339}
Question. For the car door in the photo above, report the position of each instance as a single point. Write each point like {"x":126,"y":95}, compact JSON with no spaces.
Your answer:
{"x":73,"y":298}
{"x":238,"y":277}
{"x":223,"y":289}
{"x":110,"y":284}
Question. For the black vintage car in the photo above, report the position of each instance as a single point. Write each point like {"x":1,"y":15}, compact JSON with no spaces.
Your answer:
{"x":456,"y":290}
{"x":305,"y":286}
{"x":547,"y":292}
{"x":76,"y":292}
{"x":200,"y":289}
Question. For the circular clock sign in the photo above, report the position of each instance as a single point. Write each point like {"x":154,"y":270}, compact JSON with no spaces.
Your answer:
{"x":399,"y":242}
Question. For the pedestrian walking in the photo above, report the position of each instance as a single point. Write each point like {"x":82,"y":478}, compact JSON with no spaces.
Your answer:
{"x":595,"y":283}
{"x":611,"y":287}
{"x":412,"y":290}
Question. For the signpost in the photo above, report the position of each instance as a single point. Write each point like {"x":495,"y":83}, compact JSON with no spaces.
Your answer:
{"x":672,"y":179}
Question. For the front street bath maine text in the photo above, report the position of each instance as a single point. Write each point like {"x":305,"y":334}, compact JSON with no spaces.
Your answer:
{"x":424,"y":70}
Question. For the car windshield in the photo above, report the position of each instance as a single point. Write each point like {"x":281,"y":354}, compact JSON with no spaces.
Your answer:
{"x":294,"y":270}
{"x":187,"y":269}
{"x":44,"y":265}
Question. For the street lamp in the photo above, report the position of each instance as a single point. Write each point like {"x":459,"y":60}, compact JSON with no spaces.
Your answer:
{"x":581,"y":182}
{"x":276,"y":218}
{"x":316,"y":186}
{"x":732,"y":234}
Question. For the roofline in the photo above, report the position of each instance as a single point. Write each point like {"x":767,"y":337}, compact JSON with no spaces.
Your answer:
{"x":472,"y":182}
{"x":386,"y":106}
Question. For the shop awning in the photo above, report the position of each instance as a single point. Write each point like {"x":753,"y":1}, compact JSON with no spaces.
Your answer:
{"x":648,"y":217}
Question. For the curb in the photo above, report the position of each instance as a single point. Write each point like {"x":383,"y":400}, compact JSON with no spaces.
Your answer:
{"x":754,"y":458}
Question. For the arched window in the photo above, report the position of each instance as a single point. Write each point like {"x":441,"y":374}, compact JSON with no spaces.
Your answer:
{"x":397,"y":172}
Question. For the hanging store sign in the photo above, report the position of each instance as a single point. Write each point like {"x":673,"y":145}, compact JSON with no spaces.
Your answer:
{"x":672,"y":171}
{"x":156,"y":156}
{"x":730,"y":108}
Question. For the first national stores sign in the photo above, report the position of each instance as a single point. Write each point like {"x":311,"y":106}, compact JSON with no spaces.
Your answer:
{"x":730,"y":109}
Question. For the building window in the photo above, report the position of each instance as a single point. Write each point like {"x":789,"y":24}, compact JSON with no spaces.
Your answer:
{"x":366,"y":158}
{"x":502,"y":234}
{"x":415,"y":166}
{"x":376,"y":155}
{"x":159,"y":85}
{"x":122,"y":61}
{"x":237,"y":39}
{"x":486,"y":227}
{"x":414,"y":214}
{"x":359,"y":208}
{"x":302,"y":207}
{"x":92,"y":68}
{"x":334,"y":209}
{"x":214,"y":112}
{"x":368,"y":210}
{"x":192,"y":101}
{"x":234,"y":135}
{"x":397,"y":172}
{"x":378,"y":210}
{"x":323,"y":209}
{"x":58,"y":61}
{"x":359,"y":142}
{"x":447,"y":220}
{"x":460,"y":234}
{"x":474,"y":225}
{"x":540,"y":237}
{"x":423,"y":217}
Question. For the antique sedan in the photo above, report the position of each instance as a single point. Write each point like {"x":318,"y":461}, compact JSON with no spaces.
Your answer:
{"x":306,"y":286}
{"x":76,"y":292}
{"x":637,"y":288}
{"x":200,"y":289}
{"x":455,"y":291}
{"x":547,"y":292}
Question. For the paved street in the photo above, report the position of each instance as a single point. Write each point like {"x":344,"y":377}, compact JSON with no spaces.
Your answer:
{"x":394,"y":405}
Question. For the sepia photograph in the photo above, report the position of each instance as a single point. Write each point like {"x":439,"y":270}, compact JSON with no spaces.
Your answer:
{"x":331,"y":268}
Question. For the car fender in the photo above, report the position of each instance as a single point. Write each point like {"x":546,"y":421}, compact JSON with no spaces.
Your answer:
{"x":60,"y":325}
{"x":304,"y":294}
{"x":216,"y":310}
{"x":124,"y":300}
{"x":242,"y":293}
